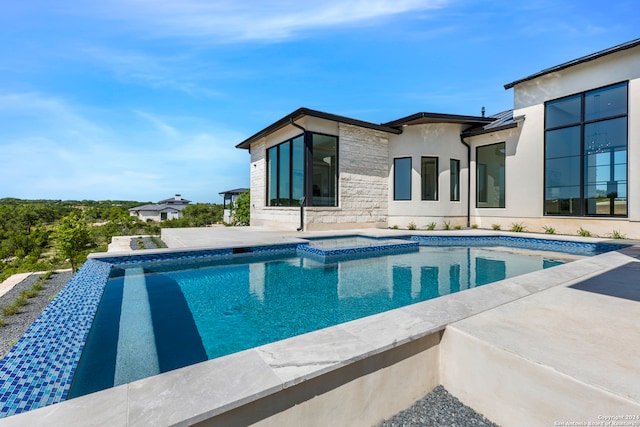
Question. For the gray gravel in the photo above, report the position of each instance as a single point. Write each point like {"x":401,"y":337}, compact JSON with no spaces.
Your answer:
{"x":17,"y":324}
{"x":438,"y":408}
{"x":148,"y":242}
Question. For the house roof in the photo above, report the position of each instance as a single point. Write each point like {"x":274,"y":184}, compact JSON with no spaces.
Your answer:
{"x":501,"y":121}
{"x":423,"y":118}
{"x":177,"y":199}
{"x":157,"y":207}
{"x":301,"y":112}
{"x":583,"y":59}
{"x":235,"y":191}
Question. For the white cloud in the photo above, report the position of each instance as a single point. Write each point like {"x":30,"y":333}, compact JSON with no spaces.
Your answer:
{"x":56,"y":152}
{"x":229,"y":21}
{"x":177,"y":73}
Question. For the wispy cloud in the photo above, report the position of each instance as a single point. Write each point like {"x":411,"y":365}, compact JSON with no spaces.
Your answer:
{"x":222,"y":21}
{"x":178,"y":73}
{"x":60,"y":152}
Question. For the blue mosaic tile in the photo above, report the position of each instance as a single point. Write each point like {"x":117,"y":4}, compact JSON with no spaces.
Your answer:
{"x":38,"y":370}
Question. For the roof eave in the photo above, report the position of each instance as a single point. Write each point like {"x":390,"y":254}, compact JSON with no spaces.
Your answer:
{"x":421,"y":118}
{"x":301,"y":112}
{"x":581,"y":60}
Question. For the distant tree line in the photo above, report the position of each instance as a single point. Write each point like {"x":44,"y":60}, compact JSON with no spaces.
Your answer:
{"x":45,"y":234}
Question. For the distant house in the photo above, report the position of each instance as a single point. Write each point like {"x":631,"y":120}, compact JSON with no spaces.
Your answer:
{"x":230,"y":198}
{"x":161,"y":211}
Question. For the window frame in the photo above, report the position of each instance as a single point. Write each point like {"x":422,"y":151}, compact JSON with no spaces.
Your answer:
{"x":436,"y":177}
{"x":307,"y":170}
{"x":483,"y":166}
{"x":454,"y":195}
{"x":395,"y":176}
{"x":582,"y":124}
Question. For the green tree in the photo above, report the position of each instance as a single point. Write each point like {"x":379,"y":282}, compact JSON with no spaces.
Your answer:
{"x":242,"y":212}
{"x":72,"y":236}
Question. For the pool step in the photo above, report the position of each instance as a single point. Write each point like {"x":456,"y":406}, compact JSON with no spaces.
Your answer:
{"x":137,"y":354}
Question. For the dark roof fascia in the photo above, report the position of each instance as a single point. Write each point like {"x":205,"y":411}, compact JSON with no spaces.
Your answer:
{"x":581,"y":60}
{"x":235,"y":191}
{"x":475,"y":131}
{"x":301,"y":112}
{"x":419,"y":118}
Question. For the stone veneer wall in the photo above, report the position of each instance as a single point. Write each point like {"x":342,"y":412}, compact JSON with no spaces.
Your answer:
{"x":363,"y":186}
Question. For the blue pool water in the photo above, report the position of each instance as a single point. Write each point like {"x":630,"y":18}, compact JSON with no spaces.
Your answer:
{"x":155,"y":317}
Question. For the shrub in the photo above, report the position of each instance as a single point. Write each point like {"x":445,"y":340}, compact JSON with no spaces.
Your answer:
{"x":617,"y":235}
{"x":447,"y":225}
{"x":517,"y":227}
{"x":549,"y":230}
{"x":20,"y":301}
{"x":495,"y":226}
{"x":457,"y":227}
{"x":474,"y":226}
{"x":584,"y":233}
{"x":10,"y":310}
{"x":28,"y":293}
{"x":411,"y":225}
{"x":431,"y":226}
{"x":395,"y":227}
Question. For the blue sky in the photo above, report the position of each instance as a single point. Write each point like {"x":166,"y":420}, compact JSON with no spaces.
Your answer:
{"x":142,"y":99}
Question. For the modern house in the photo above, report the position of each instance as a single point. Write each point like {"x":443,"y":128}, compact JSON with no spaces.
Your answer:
{"x":161,"y":211}
{"x":566,"y":156}
{"x":230,"y":197}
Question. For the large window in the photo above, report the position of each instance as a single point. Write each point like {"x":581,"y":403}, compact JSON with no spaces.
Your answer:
{"x":402,"y":178}
{"x":325,"y":170}
{"x":586,"y":153}
{"x":429,"y":175}
{"x":454,"y":180}
{"x":287,"y":182}
{"x":490,"y":182}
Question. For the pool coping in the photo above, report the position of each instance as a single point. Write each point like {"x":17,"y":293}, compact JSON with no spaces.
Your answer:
{"x":273,"y":367}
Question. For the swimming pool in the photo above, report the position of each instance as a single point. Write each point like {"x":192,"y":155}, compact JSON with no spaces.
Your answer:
{"x":38,"y":371}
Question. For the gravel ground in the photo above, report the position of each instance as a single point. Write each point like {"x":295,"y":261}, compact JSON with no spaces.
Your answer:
{"x":17,"y":324}
{"x":438,"y":408}
{"x":148,"y":243}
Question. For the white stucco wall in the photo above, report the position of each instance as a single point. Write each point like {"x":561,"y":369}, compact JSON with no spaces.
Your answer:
{"x":429,"y":140}
{"x":524,"y":171}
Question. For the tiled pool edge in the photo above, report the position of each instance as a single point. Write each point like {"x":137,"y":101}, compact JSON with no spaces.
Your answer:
{"x":81,"y":297}
{"x":46,"y":356}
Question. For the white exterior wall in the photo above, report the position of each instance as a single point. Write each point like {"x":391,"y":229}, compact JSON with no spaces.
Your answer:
{"x":155,"y":215}
{"x":429,"y":140}
{"x":362,"y":183}
{"x":524,"y":184}
{"x":525,"y":166}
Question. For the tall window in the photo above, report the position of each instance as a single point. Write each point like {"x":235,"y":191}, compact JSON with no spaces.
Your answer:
{"x":490,"y":183}
{"x":290,"y":176}
{"x":429,"y":176}
{"x":402,"y":178}
{"x":285,"y":173}
{"x":454,"y":180}
{"x":586,"y":153}
{"x":325,"y":170}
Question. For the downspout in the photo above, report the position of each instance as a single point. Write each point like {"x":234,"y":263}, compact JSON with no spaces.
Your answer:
{"x":303,"y":201}
{"x":468,"y":180}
